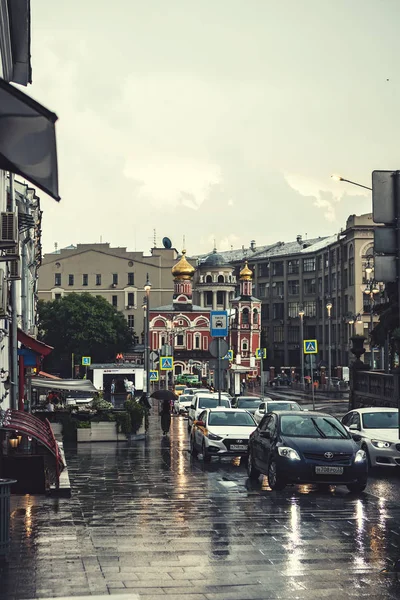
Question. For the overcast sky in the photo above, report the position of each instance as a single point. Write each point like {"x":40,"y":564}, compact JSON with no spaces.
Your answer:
{"x":214,"y":119}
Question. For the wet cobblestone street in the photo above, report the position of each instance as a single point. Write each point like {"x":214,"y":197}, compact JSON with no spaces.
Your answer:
{"x":150,"y":521}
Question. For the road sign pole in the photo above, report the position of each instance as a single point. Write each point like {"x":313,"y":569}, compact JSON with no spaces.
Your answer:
{"x":219,"y":371}
{"x":312,"y":380}
{"x":262,"y":373}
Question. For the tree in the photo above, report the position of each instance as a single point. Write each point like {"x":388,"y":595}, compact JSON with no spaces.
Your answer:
{"x":83,"y":325}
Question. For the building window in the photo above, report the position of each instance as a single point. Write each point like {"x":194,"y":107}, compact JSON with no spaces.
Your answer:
{"x":263,"y":270}
{"x":70,"y":280}
{"x":278,"y":288}
{"x":293,"y":309}
{"x":245,"y":316}
{"x":98,"y":279}
{"x":265,"y":312}
{"x":197,"y":342}
{"x":277,"y":268}
{"x":261,"y":290}
{"x":115,"y":279}
{"x":310,"y":332}
{"x":208,"y":279}
{"x":333,"y":282}
{"x":351,"y":271}
{"x":293,"y":267}
{"x":278,"y":334}
{"x":114,"y":301}
{"x":319,"y":263}
{"x":326,"y":260}
{"x":245,"y":346}
{"x":221,"y":279}
{"x":131,"y":321}
{"x":131,"y":279}
{"x":131,"y":300}
{"x":293,"y":334}
{"x":220,"y":298}
{"x":179,"y":340}
{"x":320,"y":285}
{"x":57,"y":279}
{"x":277,"y":311}
{"x":333,"y":258}
{"x":209,"y":298}
{"x":310,"y":309}
{"x":308,"y":265}
{"x":293,"y":287}
{"x":309,"y":286}
{"x":85,"y":278}
{"x":255,"y":316}
{"x":57,"y":296}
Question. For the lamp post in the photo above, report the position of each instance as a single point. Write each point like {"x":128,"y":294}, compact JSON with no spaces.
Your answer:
{"x":147,"y":289}
{"x":329,"y":308}
{"x":301,"y":315}
{"x":340,"y":178}
{"x":370,"y":290}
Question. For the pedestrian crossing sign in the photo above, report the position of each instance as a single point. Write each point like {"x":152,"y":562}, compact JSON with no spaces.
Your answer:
{"x":166,"y":363}
{"x":153,"y":375}
{"x":261,"y":353}
{"x":310,"y":347}
{"x":228,"y":355}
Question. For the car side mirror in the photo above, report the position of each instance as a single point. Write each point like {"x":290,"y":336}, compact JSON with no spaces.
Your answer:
{"x":354,"y":427}
{"x":192,"y":406}
{"x":265,"y":434}
{"x":356,"y":437}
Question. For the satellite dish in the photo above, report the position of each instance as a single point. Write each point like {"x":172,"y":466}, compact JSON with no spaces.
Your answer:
{"x":167,"y":243}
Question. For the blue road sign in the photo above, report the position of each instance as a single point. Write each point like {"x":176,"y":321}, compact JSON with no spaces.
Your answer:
{"x":228,"y":355}
{"x":310,"y":347}
{"x":261,"y":353}
{"x":166,"y":363}
{"x":86,"y":361}
{"x":219,"y":323}
{"x":153,"y":375}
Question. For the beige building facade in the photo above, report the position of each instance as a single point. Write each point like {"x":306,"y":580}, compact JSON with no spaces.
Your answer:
{"x":114,"y":273}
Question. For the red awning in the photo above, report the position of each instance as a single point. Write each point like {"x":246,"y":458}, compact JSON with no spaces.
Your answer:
{"x":33,"y":344}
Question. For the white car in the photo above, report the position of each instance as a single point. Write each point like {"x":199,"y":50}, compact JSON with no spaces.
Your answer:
{"x":379,"y":431}
{"x":268,"y":405}
{"x":182,"y":404}
{"x":202,"y":401}
{"x":221,"y":432}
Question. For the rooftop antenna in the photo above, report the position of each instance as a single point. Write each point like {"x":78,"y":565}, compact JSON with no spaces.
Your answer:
{"x":154,"y":238}
{"x":55,"y":246}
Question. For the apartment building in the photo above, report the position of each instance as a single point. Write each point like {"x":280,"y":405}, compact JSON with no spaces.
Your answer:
{"x":308,"y":274}
{"x":114,"y":273}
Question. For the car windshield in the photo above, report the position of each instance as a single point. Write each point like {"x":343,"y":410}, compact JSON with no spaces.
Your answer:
{"x":248,"y":402}
{"x":179,"y":388}
{"x":271,"y":406}
{"x":212,"y":402}
{"x":188,"y":392}
{"x":185,"y":398}
{"x":312,"y":426}
{"x":230,"y":419}
{"x":380,"y":420}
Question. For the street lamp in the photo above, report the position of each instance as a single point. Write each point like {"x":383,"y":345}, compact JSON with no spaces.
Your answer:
{"x":147,"y":289}
{"x":340,"y":178}
{"x":329,"y":308}
{"x":371,"y":289}
{"x":301,"y":315}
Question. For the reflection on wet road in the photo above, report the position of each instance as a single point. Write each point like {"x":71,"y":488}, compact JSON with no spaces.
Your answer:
{"x":150,"y":520}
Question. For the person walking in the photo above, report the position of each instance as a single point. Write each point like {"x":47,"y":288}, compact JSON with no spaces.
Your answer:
{"x":165,"y":414}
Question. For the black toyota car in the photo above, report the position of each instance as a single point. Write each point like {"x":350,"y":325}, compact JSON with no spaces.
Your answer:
{"x":306,"y":447}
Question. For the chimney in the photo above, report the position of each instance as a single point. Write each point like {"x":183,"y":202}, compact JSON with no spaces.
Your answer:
{"x":253,"y":245}
{"x":299,"y":239}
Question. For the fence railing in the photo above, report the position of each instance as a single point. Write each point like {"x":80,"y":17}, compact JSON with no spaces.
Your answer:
{"x":373,"y":388}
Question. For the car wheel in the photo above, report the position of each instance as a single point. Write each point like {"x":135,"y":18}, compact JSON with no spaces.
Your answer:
{"x":358,"y":487}
{"x":192,"y":447}
{"x":206,"y":455}
{"x":274,"y":478}
{"x":252,"y":472}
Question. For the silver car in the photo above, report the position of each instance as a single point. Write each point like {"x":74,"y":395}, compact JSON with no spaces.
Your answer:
{"x":379,"y":431}
{"x":268,"y":405}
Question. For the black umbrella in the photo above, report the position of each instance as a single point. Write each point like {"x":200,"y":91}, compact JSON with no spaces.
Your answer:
{"x":164,"y":395}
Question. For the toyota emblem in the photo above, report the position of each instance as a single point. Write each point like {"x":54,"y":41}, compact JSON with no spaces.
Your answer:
{"x":328,"y":455}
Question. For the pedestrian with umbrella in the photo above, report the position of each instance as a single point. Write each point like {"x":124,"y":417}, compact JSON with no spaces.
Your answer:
{"x":165,"y":397}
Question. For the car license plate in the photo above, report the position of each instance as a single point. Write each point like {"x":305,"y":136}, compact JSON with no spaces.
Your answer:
{"x":329,"y":470}
{"x":238,"y":446}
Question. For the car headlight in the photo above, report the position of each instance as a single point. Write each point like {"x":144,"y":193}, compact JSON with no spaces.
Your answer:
{"x":360,"y":456}
{"x":212,"y":436}
{"x":288,"y":453}
{"x":380,"y":444}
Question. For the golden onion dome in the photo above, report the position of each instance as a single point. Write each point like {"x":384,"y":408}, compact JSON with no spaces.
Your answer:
{"x":246,"y":274}
{"x":183,"y":269}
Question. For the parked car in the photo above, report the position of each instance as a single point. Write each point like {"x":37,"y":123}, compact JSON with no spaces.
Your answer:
{"x":182,"y":404}
{"x":306,"y":447}
{"x":221,"y":432}
{"x":179,"y":389}
{"x":268,"y":405}
{"x":202,"y":401}
{"x":250,"y":403}
{"x":379,"y":431}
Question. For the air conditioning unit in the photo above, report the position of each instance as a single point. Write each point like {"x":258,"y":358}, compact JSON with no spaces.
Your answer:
{"x":14,"y":270}
{"x":8,"y":230}
{"x":3,"y":295}
{"x":11,"y":253}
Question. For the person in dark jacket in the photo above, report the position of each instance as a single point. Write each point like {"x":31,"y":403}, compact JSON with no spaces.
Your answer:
{"x":165,"y":414}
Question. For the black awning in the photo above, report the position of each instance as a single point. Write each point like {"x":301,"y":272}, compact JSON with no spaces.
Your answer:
{"x":28,"y":139}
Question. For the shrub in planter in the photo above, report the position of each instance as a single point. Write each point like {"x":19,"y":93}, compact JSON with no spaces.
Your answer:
{"x":124,"y":423}
{"x":136,"y":413}
{"x":84,"y":424}
{"x":98,"y":403}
